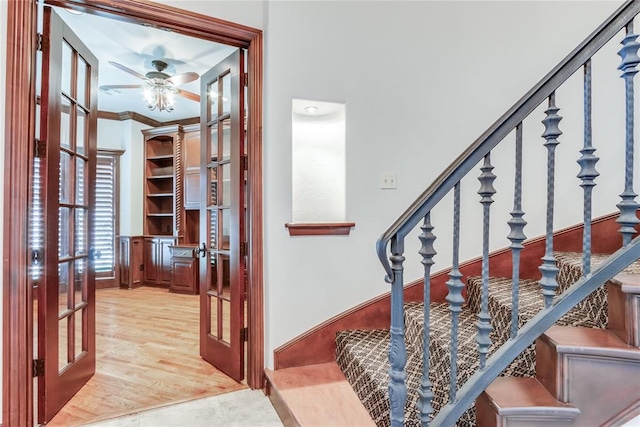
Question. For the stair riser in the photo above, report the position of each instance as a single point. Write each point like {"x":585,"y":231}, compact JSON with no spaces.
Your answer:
{"x":485,"y":417}
{"x":594,"y":307}
{"x":513,"y":401}
{"x":525,"y":421}
{"x":624,"y":314}
{"x":597,"y":382}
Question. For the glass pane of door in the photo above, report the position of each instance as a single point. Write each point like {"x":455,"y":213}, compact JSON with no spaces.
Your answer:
{"x":66,"y":318}
{"x":222,"y":219}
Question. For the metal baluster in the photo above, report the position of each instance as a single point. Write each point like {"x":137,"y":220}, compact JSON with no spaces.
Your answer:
{"x":484,"y":319}
{"x":428,"y":252}
{"x":548,"y":268}
{"x":628,"y":206}
{"x":454,"y":297}
{"x":517,"y":224}
{"x":588,"y":171}
{"x":397,"y":348}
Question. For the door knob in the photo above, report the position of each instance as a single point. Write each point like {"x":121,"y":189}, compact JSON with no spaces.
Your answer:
{"x":202,"y":251}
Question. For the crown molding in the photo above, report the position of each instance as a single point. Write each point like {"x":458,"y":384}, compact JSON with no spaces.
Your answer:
{"x":140,"y":118}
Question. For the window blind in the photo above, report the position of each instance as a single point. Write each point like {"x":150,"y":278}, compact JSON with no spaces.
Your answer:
{"x":104,"y":231}
{"x":105,"y":225}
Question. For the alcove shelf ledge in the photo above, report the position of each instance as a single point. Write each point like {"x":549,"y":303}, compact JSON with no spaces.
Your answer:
{"x":320,"y":228}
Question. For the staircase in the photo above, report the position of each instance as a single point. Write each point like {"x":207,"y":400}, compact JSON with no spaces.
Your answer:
{"x":553,"y":346}
{"x":474,"y":341}
{"x":525,"y":393}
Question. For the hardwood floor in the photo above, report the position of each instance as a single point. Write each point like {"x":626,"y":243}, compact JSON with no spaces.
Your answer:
{"x":147,"y":356}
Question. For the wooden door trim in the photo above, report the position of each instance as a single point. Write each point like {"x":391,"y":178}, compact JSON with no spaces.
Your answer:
{"x":17,"y":390}
{"x":255,"y":286}
{"x":17,"y":344}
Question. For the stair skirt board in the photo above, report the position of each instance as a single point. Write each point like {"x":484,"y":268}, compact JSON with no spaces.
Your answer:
{"x":363,"y":354}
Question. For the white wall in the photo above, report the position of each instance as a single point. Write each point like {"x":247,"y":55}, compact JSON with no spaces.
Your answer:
{"x":245,"y":12}
{"x":421,"y":80}
{"x":3,"y":56}
{"x":126,"y":135}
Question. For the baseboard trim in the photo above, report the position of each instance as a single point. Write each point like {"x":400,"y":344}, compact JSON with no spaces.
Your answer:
{"x":317,"y":345}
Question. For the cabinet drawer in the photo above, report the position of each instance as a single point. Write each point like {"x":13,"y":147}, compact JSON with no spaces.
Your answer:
{"x":183,"y":253}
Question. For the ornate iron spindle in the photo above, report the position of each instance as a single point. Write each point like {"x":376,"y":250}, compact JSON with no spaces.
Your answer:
{"x":428,"y":252}
{"x":397,"y":348}
{"x":628,"y":206}
{"x":588,"y":171}
{"x":454,"y":297}
{"x":548,"y":268}
{"x":517,"y":224}
{"x":484,"y":319}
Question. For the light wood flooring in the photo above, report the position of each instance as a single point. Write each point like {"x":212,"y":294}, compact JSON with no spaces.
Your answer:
{"x":147,"y":357}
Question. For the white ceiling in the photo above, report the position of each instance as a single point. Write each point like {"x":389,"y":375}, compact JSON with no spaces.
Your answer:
{"x":135,"y":46}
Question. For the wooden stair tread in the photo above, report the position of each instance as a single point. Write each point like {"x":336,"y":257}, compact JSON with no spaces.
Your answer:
{"x":508,"y":394}
{"x":630,"y":283}
{"x":586,"y":338}
{"x":315,"y":395}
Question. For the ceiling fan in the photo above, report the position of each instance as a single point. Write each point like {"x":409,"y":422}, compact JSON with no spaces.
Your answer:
{"x":160,"y":86}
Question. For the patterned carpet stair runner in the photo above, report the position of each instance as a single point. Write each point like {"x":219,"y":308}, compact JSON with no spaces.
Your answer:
{"x":363,"y":355}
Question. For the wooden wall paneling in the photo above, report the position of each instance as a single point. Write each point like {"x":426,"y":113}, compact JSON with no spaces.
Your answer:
{"x":123,"y":263}
{"x":136,"y":248}
{"x":149,"y":251}
{"x":130,"y":252}
{"x":318,"y":344}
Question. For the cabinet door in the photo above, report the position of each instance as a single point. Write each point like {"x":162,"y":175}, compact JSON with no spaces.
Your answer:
{"x":192,"y":190}
{"x":184,"y":275}
{"x":151,"y":261}
{"x":192,"y":152}
{"x":164,"y":261}
{"x":192,"y":170}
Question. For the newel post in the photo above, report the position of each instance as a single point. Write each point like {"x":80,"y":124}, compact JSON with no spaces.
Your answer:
{"x":397,"y":347}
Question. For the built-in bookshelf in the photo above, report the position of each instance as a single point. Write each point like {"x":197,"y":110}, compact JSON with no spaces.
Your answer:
{"x":161,"y":145}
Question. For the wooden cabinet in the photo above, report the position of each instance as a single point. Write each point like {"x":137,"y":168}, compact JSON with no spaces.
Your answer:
{"x":171,"y":205}
{"x":184,"y":262}
{"x":172,"y":182}
{"x":157,"y":261}
{"x":160,"y":177}
{"x":130,"y":262}
{"x":191,"y":168}
{"x":191,"y":158}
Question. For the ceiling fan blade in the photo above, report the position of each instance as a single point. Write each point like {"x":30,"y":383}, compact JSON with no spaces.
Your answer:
{"x":189,"y":95}
{"x":180,"y":79}
{"x":128,"y":70}
{"x":109,"y":87}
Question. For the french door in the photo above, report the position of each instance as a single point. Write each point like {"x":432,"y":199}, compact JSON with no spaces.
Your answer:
{"x":222,"y":216}
{"x":66,"y":289}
